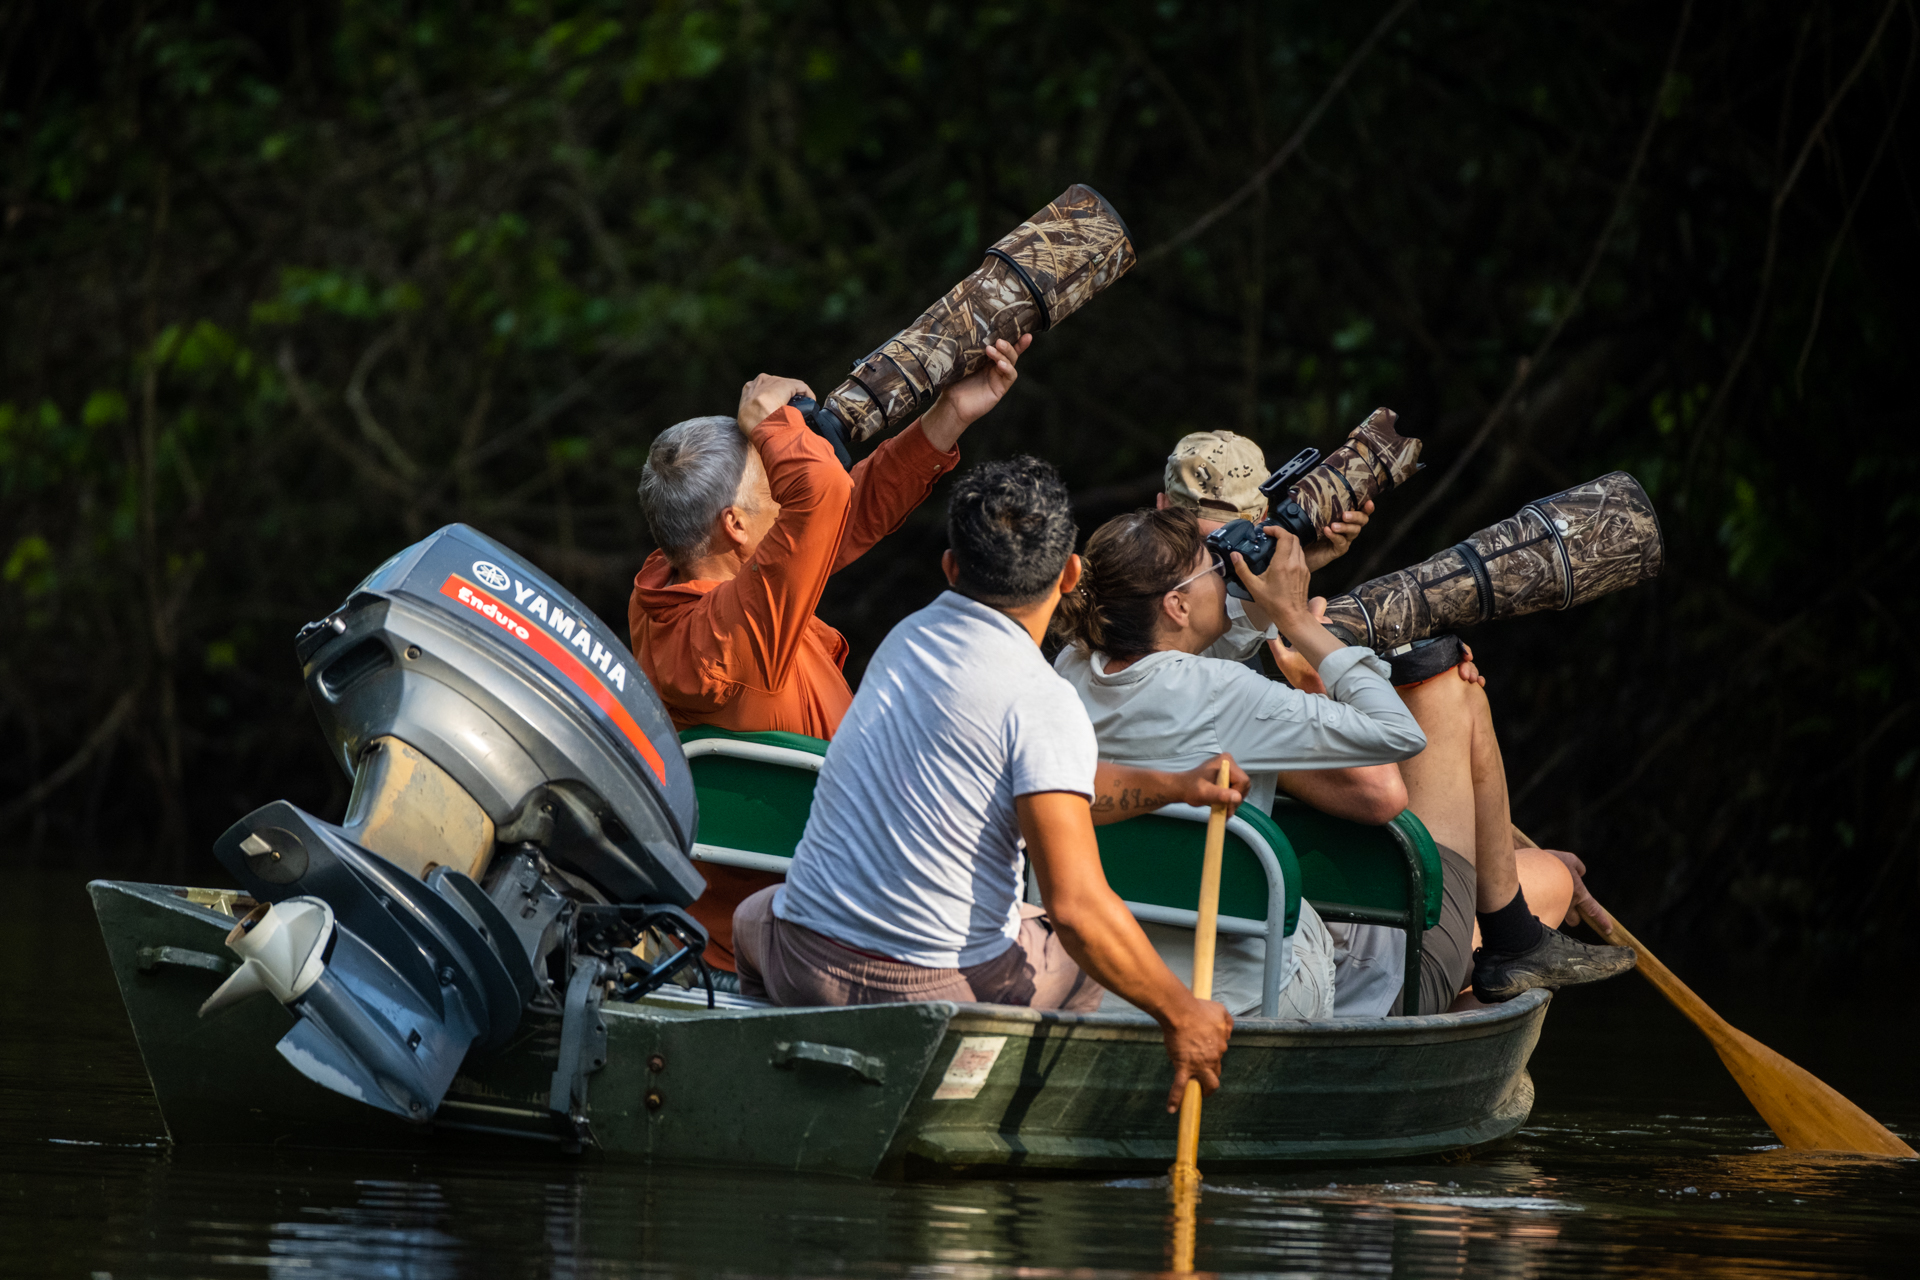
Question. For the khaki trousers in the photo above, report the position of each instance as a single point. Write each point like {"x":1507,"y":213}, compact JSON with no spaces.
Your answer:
{"x":792,"y":965}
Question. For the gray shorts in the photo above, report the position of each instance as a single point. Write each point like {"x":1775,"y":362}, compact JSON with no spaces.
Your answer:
{"x":792,"y":965}
{"x":1446,"y":950}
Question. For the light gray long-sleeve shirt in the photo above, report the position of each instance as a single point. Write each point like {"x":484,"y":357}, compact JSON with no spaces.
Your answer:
{"x":1173,"y":710}
{"x":1242,"y":641}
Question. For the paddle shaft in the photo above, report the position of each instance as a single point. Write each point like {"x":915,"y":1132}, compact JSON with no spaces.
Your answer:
{"x":1205,"y":932}
{"x":1804,"y":1112}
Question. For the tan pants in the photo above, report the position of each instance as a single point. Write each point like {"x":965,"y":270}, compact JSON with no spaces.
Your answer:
{"x":1240,"y":969}
{"x":792,"y":965}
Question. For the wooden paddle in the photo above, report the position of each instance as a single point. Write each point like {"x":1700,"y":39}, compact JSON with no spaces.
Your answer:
{"x":1804,"y":1112}
{"x":1183,"y":1180}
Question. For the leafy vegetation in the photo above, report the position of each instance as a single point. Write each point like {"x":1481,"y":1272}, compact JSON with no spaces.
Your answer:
{"x":287,"y":286}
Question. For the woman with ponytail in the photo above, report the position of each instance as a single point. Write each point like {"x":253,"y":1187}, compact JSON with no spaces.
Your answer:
{"x":1151,"y":608}
{"x":1152,"y":601}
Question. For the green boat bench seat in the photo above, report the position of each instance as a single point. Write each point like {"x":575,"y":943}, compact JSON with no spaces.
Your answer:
{"x":1153,"y":863}
{"x":1358,"y":874}
{"x":755,"y":790}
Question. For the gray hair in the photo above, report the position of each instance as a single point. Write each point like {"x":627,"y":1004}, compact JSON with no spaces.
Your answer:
{"x":693,"y":473}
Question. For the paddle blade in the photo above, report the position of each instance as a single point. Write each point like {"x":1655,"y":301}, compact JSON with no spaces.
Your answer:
{"x":1803,"y":1111}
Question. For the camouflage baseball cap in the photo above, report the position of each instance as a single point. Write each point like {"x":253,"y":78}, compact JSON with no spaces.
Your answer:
{"x":1218,"y":474}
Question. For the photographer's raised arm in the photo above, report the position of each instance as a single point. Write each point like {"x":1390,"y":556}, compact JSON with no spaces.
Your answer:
{"x":1281,"y":594}
{"x":897,"y":476}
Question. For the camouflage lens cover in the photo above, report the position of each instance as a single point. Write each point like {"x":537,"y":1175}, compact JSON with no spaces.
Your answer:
{"x":1375,"y":459}
{"x":1564,"y":550}
{"x":1043,"y":271}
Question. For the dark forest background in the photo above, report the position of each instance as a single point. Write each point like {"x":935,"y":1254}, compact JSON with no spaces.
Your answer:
{"x":286,"y":286}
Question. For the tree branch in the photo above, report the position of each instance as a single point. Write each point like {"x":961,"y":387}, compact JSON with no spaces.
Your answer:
{"x":1287,"y":148}
{"x":1853,"y":207}
{"x":1717,"y":406}
{"x":1525,"y":367}
{"x":310,"y":413}
{"x":101,"y":735}
{"x":370,"y":426}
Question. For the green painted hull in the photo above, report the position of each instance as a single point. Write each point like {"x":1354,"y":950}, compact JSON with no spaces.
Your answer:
{"x":884,"y":1089}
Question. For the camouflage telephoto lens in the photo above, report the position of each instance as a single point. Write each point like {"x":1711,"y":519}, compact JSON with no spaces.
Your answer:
{"x":1034,"y":277}
{"x":1563,"y":550}
{"x":1374,"y":460}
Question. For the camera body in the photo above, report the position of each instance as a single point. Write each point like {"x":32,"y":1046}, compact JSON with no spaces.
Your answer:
{"x":826,"y":424}
{"x":1247,"y":538}
{"x":1281,"y":508}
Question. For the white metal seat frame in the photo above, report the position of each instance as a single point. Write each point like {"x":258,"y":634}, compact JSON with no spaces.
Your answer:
{"x":760,"y":753}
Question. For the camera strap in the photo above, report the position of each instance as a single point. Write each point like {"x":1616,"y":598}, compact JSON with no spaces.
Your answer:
{"x":1424,"y":659}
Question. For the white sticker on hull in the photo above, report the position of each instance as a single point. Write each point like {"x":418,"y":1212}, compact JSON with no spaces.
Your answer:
{"x":972,"y":1063}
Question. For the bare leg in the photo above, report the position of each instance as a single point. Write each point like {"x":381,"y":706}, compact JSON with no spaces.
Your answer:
{"x":1458,"y":785}
{"x":1547,"y":883}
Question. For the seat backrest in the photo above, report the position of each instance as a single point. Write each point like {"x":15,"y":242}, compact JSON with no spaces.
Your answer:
{"x":754,"y":791}
{"x":1348,"y":869}
{"x":1155,"y":860}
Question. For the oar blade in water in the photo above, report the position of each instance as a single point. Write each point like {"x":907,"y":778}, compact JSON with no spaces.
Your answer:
{"x":1803,"y":1111}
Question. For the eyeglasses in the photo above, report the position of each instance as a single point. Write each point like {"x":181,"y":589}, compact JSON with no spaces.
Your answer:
{"x":1218,"y":566}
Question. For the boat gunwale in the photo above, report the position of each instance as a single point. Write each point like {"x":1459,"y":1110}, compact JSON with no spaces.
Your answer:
{"x":1429,"y":1028}
{"x":977,"y":1018}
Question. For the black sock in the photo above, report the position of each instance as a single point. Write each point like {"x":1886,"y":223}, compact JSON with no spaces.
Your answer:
{"x":1512,"y":929}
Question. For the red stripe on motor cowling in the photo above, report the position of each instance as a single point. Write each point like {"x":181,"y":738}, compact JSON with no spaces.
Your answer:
{"x":542,"y":642}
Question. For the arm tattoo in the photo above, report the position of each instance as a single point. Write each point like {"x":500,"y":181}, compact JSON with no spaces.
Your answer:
{"x":1131,"y":800}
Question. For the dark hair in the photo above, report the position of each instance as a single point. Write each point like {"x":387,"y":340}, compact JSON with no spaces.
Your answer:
{"x":1130,"y":564}
{"x":1010,"y":525}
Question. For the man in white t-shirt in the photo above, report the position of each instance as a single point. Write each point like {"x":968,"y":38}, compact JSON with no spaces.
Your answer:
{"x":962,"y":755}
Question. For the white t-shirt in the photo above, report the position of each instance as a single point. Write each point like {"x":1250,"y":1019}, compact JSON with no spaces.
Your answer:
{"x":913,"y":848}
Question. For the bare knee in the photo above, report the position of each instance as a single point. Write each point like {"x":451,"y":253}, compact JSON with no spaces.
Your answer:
{"x":1546,"y":882}
{"x":1451,"y":712}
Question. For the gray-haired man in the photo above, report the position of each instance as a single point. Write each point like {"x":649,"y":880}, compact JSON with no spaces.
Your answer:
{"x":753,"y":514}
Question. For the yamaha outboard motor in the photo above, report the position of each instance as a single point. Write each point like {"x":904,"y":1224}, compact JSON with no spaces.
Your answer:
{"x":517,"y":835}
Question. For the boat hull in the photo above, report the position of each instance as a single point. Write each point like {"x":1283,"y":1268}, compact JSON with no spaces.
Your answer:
{"x":896,"y":1090}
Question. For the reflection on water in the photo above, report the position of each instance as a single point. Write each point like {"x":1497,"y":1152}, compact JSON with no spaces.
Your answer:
{"x":1642,"y":1161}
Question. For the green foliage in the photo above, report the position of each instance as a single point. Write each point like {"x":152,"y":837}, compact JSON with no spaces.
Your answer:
{"x":289,"y":286}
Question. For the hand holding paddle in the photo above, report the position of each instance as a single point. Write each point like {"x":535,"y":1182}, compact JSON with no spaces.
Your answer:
{"x":1183,"y":1180}
{"x":1185,"y":1174}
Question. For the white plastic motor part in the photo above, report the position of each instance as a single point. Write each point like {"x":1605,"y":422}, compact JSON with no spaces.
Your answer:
{"x":282,"y":949}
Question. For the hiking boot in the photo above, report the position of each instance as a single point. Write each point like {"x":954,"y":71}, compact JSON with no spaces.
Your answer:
{"x":1554,"y":962}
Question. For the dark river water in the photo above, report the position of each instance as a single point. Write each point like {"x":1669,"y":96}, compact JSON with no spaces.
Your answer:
{"x":1642,"y":1159}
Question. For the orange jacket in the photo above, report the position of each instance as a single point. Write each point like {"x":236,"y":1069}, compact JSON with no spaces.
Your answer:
{"x":749,"y":653}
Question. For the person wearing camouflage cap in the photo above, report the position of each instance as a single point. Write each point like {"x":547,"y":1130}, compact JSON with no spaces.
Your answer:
{"x":1217,"y":475}
{"x":1456,"y":785}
